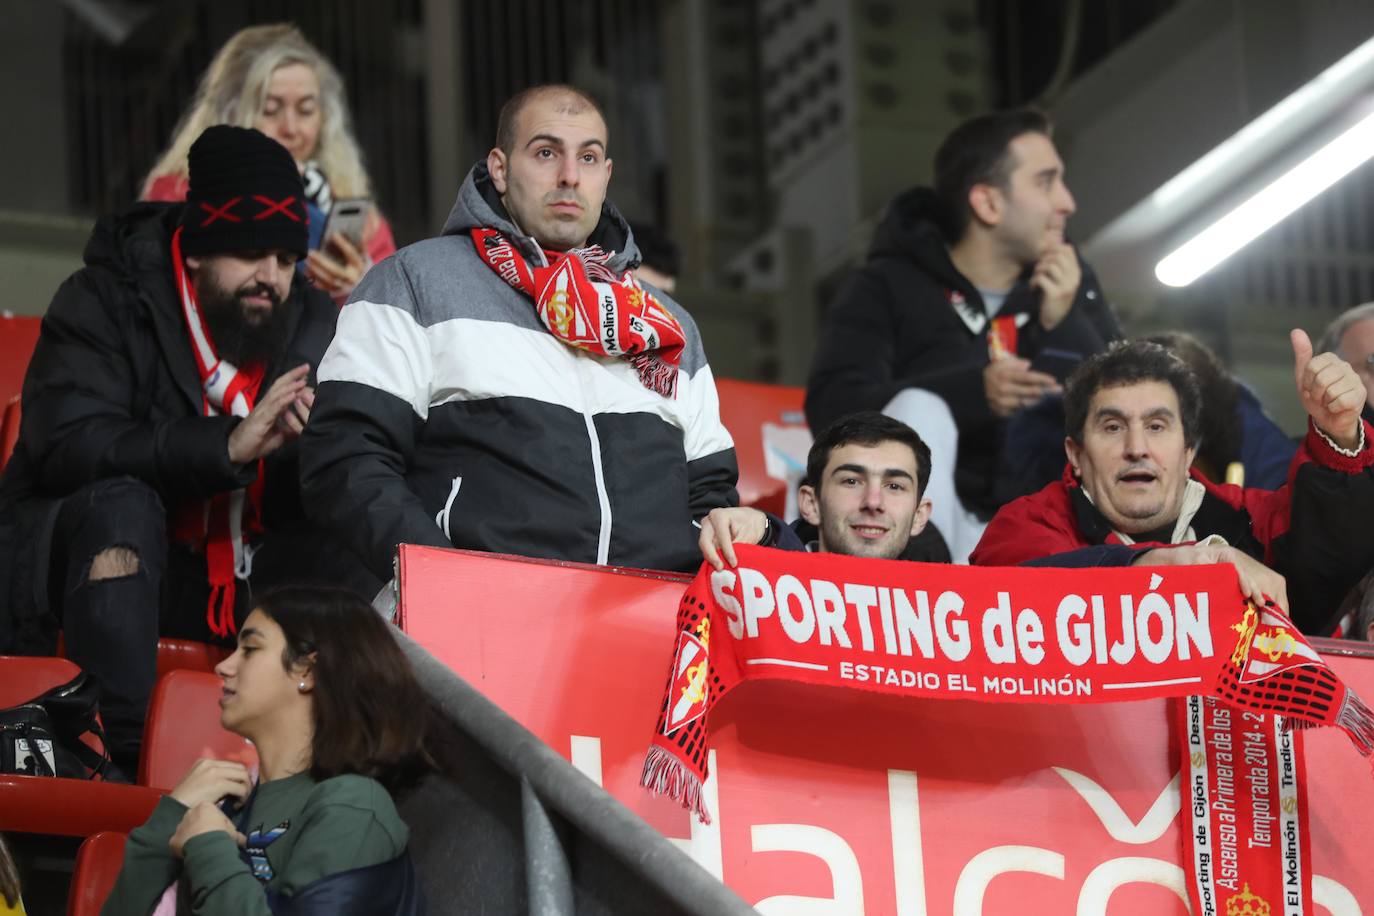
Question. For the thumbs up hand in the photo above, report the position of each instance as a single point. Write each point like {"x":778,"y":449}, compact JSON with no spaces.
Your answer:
{"x":1331,"y":391}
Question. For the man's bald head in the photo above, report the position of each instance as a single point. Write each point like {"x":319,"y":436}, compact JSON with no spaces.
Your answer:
{"x":568,"y":100}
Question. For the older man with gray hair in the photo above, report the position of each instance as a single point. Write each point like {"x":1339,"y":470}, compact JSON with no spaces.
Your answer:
{"x":1351,"y":337}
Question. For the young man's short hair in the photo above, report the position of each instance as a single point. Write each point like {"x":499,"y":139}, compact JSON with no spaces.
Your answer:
{"x":1130,"y":362}
{"x":867,"y":428}
{"x":977,"y":152}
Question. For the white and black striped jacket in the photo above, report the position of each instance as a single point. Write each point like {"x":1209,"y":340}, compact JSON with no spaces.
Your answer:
{"x":448,"y":415}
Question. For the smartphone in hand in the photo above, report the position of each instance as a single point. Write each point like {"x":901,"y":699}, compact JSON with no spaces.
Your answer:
{"x":348,"y":217}
{"x":1058,"y":363}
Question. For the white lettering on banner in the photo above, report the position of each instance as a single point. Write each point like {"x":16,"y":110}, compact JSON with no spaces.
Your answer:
{"x":916,"y":624}
{"x":981,"y":869}
{"x":847,"y":880}
{"x":908,"y":857}
{"x":862,"y":597}
{"x":758,"y":599}
{"x":997,"y":636}
{"x":1200,"y":844}
{"x":1076,"y":644}
{"x":703,"y":843}
{"x":885,"y":615}
{"x":1107,"y":877}
{"x":1256,"y":756}
{"x":954,"y":638}
{"x":1038,"y":686}
{"x":721,"y":581}
{"x":1337,"y":900}
{"x":1114,"y":820}
{"x":830,"y":613}
{"x":1290,"y":826}
{"x":586,"y":756}
{"x":800,"y":628}
{"x":1217,"y":734}
{"x":1155,"y":649}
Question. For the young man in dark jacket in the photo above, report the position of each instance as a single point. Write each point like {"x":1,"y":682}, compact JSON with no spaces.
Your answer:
{"x":1128,"y":496}
{"x":154,"y":484}
{"x":971,"y":293}
{"x":509,"y":386}
{"x":863,"y":496}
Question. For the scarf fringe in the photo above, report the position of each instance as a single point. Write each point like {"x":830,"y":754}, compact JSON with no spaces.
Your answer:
{"x":219,"y":611}
{"x":655,"y":374}
{"x":664,"y":774}
{"x":1357,"y":721}
{"x":1354,"y":718}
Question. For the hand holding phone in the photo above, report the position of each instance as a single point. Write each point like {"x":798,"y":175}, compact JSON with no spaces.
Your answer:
{"x":341,"y":260}
{"x":348,"y":218}
{"x":1058,"y":363}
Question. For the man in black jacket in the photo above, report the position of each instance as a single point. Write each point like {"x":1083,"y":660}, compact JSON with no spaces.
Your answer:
{"x":972,"y":294}
{"x":154,"y":484}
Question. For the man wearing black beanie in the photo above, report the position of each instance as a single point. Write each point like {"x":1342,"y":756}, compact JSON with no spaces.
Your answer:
{"x":154,"y":485}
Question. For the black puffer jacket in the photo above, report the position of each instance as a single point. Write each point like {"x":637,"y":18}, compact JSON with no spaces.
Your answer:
{"x":909,"y":319}
{"x":113,"y":390}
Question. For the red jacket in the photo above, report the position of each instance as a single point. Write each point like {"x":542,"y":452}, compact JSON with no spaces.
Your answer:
{"x":1315,"y":530}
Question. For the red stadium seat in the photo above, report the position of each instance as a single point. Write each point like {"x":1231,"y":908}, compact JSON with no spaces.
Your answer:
{"x":18,"y":335}
{"x":183,"y":726}
{"x":64,"y":807}
{"x":188,"y":655}
{"x":9,"y":430}
{"x":24,"y":677}
{"x":71,"y":807}
{"x":744,"y":409}
{"x":97,"y":865}
{"x":177,"y":654}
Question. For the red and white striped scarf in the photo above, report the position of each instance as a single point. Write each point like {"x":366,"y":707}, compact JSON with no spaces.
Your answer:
{"x":226,"y":517}
{"x":585,"y":305}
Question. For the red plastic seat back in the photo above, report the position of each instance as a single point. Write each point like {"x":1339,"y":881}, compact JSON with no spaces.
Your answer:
{"x":9,"y":430}
{"x":177,"y":654}
{"x":744,"y":408}
{"x":183,"y":726}
{"x":24,"y":677}
{"x":18,"y":335}
{"x":188,"y":655}
{"x":97,"y":865}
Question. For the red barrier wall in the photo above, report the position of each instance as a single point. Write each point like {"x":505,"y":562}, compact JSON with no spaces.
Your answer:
{"x":886,"y":805}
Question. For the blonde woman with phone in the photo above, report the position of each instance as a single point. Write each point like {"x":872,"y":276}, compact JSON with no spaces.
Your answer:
{"x":271,"y":78}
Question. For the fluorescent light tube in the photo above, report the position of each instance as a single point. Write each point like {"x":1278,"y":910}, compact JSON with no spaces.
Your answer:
{"x":1267,"y":208}
{"x":1338,"y":78}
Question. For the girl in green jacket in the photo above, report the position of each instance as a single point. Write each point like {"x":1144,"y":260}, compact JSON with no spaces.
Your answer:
{"x":323,"y":691}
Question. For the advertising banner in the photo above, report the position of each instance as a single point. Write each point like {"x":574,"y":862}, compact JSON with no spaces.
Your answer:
{"x":848,"y":801}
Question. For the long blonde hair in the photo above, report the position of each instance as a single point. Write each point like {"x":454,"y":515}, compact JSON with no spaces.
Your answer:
{"x":234,"y":89}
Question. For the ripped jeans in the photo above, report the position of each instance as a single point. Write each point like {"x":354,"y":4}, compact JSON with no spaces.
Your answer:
{"x":146,"y":586}
{"x":111,"y":625}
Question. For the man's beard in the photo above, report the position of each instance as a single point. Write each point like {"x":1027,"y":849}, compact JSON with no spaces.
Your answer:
{"x":236,"y":338}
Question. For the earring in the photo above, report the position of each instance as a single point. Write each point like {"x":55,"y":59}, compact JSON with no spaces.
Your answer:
{"x":302,"y":687}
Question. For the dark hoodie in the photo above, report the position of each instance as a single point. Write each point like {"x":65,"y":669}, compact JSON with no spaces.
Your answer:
{"x":909,"y":319}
